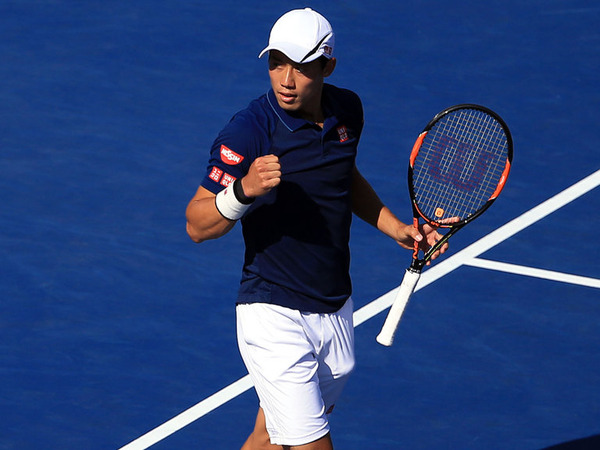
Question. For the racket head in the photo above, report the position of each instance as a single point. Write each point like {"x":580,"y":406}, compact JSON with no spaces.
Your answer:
{"x":459,"y":165}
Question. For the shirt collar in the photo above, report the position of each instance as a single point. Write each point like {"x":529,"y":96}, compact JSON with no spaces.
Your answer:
{"x":292,"y":123}
{"x":295,"y":123}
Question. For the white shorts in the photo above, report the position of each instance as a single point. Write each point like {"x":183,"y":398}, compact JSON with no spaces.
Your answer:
{"x":299,"y":363}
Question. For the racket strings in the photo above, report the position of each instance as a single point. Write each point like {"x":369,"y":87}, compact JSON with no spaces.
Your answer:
{"x":459,"y":165}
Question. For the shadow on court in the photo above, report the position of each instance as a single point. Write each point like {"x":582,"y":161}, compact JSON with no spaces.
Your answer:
{"x":588,"y":443}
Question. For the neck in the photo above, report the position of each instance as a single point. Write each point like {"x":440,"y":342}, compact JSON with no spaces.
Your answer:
{"x":314,"y":112}
{"x":314,"y":115}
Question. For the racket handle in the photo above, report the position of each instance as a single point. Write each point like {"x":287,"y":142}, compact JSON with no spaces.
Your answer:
{"x":386,"y":335}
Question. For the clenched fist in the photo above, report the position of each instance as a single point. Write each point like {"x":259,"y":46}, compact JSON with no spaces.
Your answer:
{"x":264,"y":174}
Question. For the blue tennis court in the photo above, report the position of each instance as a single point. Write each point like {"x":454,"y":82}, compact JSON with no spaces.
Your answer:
{"x":117,"y":331}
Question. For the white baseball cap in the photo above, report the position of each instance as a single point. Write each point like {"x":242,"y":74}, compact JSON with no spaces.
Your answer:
{"x":302,"y":35}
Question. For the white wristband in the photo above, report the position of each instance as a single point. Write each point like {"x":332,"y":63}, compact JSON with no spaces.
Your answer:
{"x":228,"y":205}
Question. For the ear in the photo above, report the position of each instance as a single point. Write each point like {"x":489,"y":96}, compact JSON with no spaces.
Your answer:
{"x":329,"y":67}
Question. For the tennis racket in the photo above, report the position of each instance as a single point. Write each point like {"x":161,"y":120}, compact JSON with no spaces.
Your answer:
{"x":458,"y":167}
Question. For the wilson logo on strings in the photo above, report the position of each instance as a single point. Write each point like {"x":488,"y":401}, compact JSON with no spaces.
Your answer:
{"x":464,"y":168}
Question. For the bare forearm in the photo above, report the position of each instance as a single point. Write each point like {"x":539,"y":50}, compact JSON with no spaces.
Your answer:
{"x":389,"y":224}
{"x":204,"y":220}
{"x":365,"y":202}
{"x":367,"y":205}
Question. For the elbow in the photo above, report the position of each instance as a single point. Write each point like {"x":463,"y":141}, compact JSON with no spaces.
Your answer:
{"x":193,"y":234}
{"x":201,"y":235}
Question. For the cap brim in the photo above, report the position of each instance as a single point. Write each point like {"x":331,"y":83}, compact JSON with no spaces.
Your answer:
{"x":295,"y":53}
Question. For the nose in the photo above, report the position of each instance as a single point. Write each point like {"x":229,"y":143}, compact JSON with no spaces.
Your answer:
{"x":287,"y":78}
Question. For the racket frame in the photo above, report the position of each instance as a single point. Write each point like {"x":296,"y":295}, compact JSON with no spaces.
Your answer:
{"x":418,"y":263}
{"x":413,"y":273}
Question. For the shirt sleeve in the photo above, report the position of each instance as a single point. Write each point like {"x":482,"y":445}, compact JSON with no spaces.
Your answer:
{"x":231,"y":154}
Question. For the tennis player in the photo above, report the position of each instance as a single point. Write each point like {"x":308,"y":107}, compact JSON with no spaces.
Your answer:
{"x":285,"y":167}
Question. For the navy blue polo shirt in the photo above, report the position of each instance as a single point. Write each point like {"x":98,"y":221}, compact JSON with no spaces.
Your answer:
{"x":297,"y":235}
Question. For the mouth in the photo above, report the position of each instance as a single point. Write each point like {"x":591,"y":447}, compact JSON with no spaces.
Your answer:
{"x":287,"y":97}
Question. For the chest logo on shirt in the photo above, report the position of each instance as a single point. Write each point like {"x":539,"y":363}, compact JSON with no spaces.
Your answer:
{"x":343,"y":133}
{"x":230,"y":157}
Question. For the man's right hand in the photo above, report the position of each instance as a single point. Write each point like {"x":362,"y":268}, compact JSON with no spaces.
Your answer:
{"x":264,"y":174}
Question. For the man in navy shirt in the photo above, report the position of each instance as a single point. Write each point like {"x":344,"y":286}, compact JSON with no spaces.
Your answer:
{"x":285,"y":166}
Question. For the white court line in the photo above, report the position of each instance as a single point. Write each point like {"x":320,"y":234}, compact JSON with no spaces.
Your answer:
{"x":484,"y":244}
{"x":465,"y":256}
{"x":190,"y":415}
{"x":533,"y":272}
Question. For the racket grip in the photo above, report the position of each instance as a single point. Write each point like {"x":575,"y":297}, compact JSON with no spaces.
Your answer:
{"x":409,"y":282}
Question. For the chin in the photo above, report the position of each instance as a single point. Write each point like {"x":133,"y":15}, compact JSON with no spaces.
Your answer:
{"x":292,"y":108}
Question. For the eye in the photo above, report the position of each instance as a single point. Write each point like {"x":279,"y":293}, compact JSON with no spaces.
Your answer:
{"x":274,"y":63}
